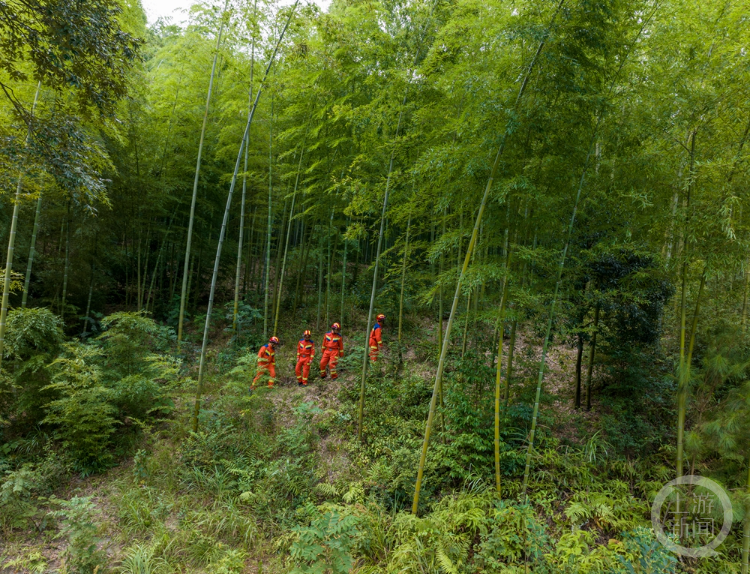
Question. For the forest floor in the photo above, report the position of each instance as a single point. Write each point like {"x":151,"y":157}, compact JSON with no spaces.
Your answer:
{"x":193,"y":510}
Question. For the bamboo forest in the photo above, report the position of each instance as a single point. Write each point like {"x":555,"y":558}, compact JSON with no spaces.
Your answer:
{"x":380,"y":286}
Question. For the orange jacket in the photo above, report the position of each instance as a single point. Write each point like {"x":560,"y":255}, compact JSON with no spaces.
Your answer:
{"x":266,"y":356}
{"x":376,"y":336}
{"x":333,"y":341}
{"x":305,"y":349}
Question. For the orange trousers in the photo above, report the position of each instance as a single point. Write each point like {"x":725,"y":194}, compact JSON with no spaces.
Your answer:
{"x":269,"y":371}
{"x":303,"y":369}
{"x":374,"y":350}
{"x":330,"y":359}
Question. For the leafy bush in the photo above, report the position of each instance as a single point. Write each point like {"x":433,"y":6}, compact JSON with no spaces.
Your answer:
{"x":32,"y":340}
{"x":16,"y":506}
{"x":129,"y":338}
{"x":82,"y":555}
{"x":134,"y":368}
{"x":637,"y":399}
{"x":84,"y":413}
{"x":32,"y":331}
{"x":325,"y":545}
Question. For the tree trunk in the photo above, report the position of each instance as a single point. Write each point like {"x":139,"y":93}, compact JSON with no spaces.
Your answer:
{"x":188,"y":243}
{"x":328,"y":272}
{"x":498,"y":373}
{"x":343,"y":282}
{"x":509,"y":370}
{"x":32,"y":251}
{"x":365,"y":357}
{"x":684,"y":367}
{"x":12,"y":238}
{"x":592,"y":356}
{"x":466,"y":325}
{"x":301,"y":272}
{"x":401,"y":298}
{"x":222,"y":233}
{"x":684,"y":379}
{"x":87,"y":317}
{"x":579,"y":357}
{"x":279,"y":249}
{"x":320,"y":282}
{"x":66,"y":268}
{"x":746,"y":529}
{"x":467,"y":259}
{"x":238,"y":270}
{"x":269,"y":229}
{"x":286,"y":243}
{"x":441,"y":311}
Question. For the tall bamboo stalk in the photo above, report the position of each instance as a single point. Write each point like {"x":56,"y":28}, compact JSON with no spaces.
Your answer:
{"x":592,"y":356}
{"x":553,"y":308}
{"x":743,"y":314}
{"x":286,"y":243}
{"x":269,"y":228}
{"x":343,"y":282}
{"x":138,"y":272}
{"x":365,"y":357}
{"x":158,"y":260}
{"x":242,"y":230}
{"x":401,"y":298}
{"x":509,"y":368}
{"x":66,"y":267}
{"x":746,"y":529}
{"x":86,"y":318}
{"x":188,"y":243}
{"x":222,"y":234}
{"x":441,"y":311}
{"x":279,"y":249}
{"x":32,"y":251}
{"x":467,"y":259}
{"x":498,"y":373}
{"x":244,"y":194}
{"x":12,"y":235}
{"x":328,"y":270}
{"x":320,"y":281}
{"x":683,"y":375}
{"x":561,"y":267}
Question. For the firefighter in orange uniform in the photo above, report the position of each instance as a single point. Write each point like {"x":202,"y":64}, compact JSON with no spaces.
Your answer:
{"x":333,"y":348}
{"x":376,"y":338}
{"x":305,"y":354}
{"x":267,"y":363}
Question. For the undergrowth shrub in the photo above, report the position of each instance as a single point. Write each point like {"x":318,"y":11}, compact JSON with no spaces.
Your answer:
{"x":140,"y":559}
{"x":82,"y":554}
{"x":637,"y":399}
{"x":325,"y":545}
{"x":83,"y":414}
{"x":135,"y":365}
{"x":33,"y":338}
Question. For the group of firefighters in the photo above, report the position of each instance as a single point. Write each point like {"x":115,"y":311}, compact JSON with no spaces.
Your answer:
{"x":333,"y":350}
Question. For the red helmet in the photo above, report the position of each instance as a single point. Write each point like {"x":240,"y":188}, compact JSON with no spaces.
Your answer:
{"x":307,"y":332}
{"x":274,"y":340}
{"x":381,"y":317}
{"x":335,"y":326}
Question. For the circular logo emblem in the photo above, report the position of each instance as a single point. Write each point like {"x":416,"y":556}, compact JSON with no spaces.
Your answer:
{"x":690,"y":517}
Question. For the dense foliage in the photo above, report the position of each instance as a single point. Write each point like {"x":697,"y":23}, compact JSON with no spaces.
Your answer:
{"x":545,"y":198}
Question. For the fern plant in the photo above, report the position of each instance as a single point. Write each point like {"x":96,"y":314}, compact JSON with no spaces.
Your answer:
{"x":324,"y":547}
{"x":32,"y":340}
{"x":83,"y":415}
{"x":82,"y":554}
